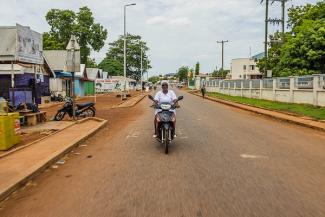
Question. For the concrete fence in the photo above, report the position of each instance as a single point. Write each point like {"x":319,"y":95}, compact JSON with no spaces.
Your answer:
{"x":306,"y":89}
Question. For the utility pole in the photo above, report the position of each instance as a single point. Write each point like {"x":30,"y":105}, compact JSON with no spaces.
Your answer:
{"x":141,"y":67}
{"x":222,"y":52}
{"x":274,"y":21}
{"x":266,"y":33}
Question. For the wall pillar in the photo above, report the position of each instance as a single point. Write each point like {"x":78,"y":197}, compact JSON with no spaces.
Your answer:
{"x":316,"y":88}
{"x":292,"y":87}
{"x":250,"y":88}
{"x":261,"y":88}
{"x":274,"y":89}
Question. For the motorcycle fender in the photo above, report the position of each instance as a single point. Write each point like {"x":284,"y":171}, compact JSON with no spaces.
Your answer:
{"x":166,"y":126}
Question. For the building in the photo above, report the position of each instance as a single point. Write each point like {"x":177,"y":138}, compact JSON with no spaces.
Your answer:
{"x":56,"y":60}
{"x":245,"y":68}
{"x":24,"y":75}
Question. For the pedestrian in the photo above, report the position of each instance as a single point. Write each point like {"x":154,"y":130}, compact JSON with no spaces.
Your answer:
{"x":203,"y":88}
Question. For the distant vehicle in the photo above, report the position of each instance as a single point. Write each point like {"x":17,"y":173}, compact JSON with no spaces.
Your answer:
{"x":179,"y":85}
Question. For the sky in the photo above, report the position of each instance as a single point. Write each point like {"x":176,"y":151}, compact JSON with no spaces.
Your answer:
{"x":178,"y":32}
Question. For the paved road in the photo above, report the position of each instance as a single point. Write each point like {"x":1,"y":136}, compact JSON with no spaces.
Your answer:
{"x":225,"y":162}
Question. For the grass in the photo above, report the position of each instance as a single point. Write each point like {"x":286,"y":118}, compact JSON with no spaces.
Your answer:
{"x":298,"y":109}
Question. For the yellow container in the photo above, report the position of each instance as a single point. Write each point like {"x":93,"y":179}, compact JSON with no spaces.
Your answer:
{"x":9,"y":130}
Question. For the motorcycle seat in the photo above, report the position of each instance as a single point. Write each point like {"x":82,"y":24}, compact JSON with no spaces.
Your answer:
{"x":84,"y":105}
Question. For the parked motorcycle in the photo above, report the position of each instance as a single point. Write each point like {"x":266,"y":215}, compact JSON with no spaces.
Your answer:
{"x":166,"y":119}
{"x":81,"y":110}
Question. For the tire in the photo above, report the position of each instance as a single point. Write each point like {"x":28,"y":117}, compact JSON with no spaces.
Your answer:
{"x":166,"y":141}
{"x":59,"y":116}
{"x":89,"y":112}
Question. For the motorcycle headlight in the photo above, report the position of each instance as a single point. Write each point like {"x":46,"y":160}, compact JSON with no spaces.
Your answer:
{"x":165,"y":106}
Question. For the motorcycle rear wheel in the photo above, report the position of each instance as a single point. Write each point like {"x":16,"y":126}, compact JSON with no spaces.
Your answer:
{"x":89,"y":112}
{"x":59,"y":116}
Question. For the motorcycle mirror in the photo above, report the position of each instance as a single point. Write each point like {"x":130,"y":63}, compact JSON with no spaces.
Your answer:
{"x":180,"y":98}
{"x":150,"y":97}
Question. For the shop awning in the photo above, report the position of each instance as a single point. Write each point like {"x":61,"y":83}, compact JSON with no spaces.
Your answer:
{"x":63,"y":74}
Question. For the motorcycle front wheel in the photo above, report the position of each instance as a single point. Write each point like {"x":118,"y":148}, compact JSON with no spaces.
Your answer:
{"x":59,"y":116}
{"x":166,"y":141}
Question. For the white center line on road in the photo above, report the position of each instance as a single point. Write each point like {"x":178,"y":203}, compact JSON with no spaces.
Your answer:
{"x":250,"y":156}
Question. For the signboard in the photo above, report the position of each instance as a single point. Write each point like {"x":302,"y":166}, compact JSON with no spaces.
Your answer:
{"x":29,"y":45}
{"x":107,"y":85}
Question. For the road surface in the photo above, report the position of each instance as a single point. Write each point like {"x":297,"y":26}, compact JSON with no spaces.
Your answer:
{"x":224,"y":162}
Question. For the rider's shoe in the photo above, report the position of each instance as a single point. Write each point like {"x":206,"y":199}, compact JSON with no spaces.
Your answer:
{"x":154,"y":136}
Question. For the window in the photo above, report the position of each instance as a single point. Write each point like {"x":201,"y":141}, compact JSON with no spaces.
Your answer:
{"x":244,"y":67}
{"x":252,"y":67}
{"x":239,"y":76}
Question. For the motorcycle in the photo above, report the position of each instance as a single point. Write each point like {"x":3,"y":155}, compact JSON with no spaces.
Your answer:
{"x":82,"y":110}
{"x":166,"y":119}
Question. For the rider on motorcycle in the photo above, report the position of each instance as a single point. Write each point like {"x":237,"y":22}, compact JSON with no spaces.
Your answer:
{"x":164,"y":96}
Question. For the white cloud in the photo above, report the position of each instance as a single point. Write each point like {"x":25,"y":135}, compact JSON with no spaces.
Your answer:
{"x":182,"y":21}
{"x":156,"y":20}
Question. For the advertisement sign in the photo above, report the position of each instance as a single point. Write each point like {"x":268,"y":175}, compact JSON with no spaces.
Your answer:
{"x":107,"y":85}
{"x":29,"y":45}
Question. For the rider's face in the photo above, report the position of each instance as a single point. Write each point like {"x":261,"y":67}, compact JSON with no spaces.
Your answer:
{"x":164,"y":87}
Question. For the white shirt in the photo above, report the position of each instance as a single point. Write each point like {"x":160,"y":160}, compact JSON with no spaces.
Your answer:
{"x":169,"y":97}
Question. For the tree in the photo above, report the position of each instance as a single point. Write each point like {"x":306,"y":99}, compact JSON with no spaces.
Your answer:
{"x":91,"y":63}
{"x":182,"y":73}
{"x":64,"y":23}
{"x":133,"y":55}
{"x":112,"y":66}
{"x":220,"y":73}
{"x":197,"y":68}
{"x":154,"y":79}
{"x":303,"y":50}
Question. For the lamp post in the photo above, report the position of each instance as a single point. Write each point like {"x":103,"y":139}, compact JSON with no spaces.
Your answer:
{"x":125,"y":45}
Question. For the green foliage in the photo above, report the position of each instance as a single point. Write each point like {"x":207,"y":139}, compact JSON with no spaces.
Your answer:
{"x":300,"y":109}
{"x":182,"y":73}
{"x":91,"y":63}
{"x":154,"y":79}
{"x":191,"y":74}
{"x":220,"y":73}
{"x":303,"y":50}
{"x":115,"y":54}
{"x":112,"y":66}
{"x":64,"y":23}
{"x":197,"y":68}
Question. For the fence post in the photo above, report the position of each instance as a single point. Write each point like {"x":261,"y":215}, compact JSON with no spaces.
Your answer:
{"x":241,"y":88}
{"x":228,"y":87}
{"x":315,"y":89}
{"x":250,"y":88}
{"x":274,"y":89}
{"x":292,"y":87}
{"x":261,"y":88}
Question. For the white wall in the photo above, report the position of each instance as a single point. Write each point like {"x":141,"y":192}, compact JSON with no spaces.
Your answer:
{"x":315,"y":95}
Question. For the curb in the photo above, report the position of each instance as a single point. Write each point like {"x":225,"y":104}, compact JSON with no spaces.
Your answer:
{"x":254,"y":109}
{"x":54,"y":158}
{"x":132,"y":105}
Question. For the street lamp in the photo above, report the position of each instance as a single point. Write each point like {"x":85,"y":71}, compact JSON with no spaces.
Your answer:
{"x":125,"y":45}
